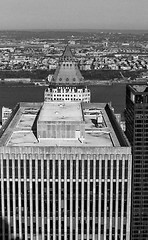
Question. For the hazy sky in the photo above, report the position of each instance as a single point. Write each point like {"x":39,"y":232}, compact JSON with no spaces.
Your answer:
{"x":67,"y":14}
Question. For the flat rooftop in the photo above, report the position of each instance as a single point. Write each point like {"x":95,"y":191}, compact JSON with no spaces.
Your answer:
{"x":20,"y":129}
{"x":61,"y":111}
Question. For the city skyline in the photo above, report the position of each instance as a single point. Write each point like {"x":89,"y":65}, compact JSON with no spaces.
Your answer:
{"x":65,"y":14}
{"x":65,"y":166}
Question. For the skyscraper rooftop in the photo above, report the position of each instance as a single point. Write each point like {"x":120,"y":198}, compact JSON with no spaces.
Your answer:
{"x":140,"y":88}
{"x":138,"y":93}
{"x":60,"y":111}
{"x":63,"y":124}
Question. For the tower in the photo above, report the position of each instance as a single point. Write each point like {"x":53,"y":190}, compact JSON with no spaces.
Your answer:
{"x":137,"y":133}
{"x":67,"y":83}
{"x":65,"y":173}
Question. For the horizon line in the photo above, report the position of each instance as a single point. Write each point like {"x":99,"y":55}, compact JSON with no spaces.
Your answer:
{"x":73,"y":29}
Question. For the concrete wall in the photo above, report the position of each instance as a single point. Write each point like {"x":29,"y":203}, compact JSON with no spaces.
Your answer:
{"x":61,"y":129}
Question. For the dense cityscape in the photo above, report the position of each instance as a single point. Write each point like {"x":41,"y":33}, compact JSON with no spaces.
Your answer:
{"x":123,"y":55}
{"x":70,"y":167}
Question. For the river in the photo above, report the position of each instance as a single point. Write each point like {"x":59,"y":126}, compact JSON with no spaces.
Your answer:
{"x":10,"y":95}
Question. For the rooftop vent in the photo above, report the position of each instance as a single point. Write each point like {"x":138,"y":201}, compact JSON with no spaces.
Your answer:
{"x":61,"y":105}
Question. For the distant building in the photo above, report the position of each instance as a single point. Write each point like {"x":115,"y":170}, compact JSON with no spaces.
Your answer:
{"x":16,"y":80}
{"x":105,"y":44}
{"x":72,"y":42}
{"x":5,"y":114}
{"x":49,"y":77}
{"x":137,"y":133}
{"x":65,"y":173}
{"x":144,"y":75}
{"x":118,"y":117}
{"x":67,"y":83}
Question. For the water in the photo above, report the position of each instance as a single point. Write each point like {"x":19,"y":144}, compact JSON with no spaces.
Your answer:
{"x":11,"y":95}
{"x":115,"y":94}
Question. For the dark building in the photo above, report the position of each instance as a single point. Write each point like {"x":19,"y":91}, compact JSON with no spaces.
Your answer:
{"x":137,"y":133}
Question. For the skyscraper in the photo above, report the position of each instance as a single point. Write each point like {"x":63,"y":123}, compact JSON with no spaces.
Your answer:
{"x":137,"y":133}
{"x":67,"y":83}
{"x":65,"y":173}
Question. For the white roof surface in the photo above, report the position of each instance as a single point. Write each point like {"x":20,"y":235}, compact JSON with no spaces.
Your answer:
{"x":61,"y":111}
{"x":20,"y":130}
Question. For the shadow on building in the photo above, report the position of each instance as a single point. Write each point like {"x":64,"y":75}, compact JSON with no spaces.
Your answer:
{"x":5,"y":231}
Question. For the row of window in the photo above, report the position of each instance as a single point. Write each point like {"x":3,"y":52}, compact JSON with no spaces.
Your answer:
{"x":63,"y":99}
{"x":67,"y":79}
{"x":67,"y":90}
{"x":31,"y":169}
{"x":39,"y":230}
{"x":41,"y":201}
{"x":66,"y":95}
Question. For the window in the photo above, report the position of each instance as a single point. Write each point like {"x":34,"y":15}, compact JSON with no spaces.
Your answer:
{"x":126,"y":169}
{"x":4,"y":168}
{"x":103,"y":169}
{"x":50,"y":169}
{"x":27,"y":168}
{"x":39,"y":168}
{"x":85,"y":169}
{"x":16,"y":168}
{"x":114,"y":169}
{"x":68,"y":169}
{"x":108,"y":169}
{"x":120,"y":169}
{"x":91,"y":169}
{"x":10,"y":168}
{"x":33,"y":168}
{"x":45,"y":169}
{"x":97,"y":169}
{"x":80,"y":169}
{"x":74,"y":169}
{"x":22,"y":169}
{"x":56,"y":169}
